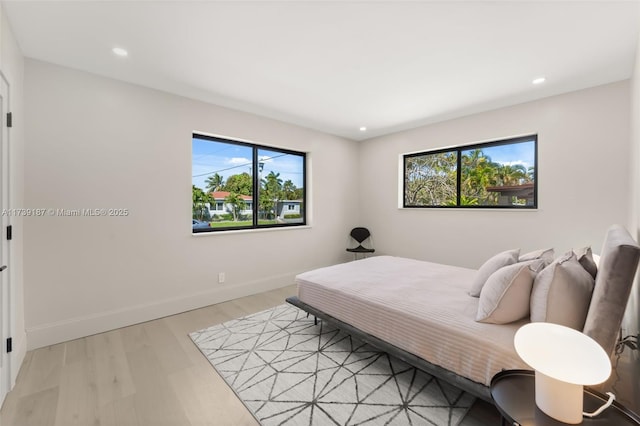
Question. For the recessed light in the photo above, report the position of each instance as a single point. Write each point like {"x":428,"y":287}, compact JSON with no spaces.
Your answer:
{"x":119,"y":51}
{"x":539,"y":80}
{"x":363,"y":129}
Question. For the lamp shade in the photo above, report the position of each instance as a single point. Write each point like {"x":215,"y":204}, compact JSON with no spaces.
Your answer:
{"x":564,"y":360}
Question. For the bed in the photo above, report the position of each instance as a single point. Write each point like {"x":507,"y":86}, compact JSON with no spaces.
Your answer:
{"x":422,"y":312}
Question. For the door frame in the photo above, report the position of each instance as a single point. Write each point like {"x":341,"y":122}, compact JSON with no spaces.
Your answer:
{"x":7,"y":300}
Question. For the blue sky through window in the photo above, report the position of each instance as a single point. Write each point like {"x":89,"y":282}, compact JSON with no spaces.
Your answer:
{"x":513,"y":153}
{"x":209,"y":157}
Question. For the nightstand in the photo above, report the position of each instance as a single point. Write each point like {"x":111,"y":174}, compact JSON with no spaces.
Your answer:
{"x":513,"y":393}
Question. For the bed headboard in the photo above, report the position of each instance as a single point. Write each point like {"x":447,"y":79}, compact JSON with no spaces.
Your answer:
{"x":615,"y":277}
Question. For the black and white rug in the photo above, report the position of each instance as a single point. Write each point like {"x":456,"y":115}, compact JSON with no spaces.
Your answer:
{"x":288,"y":371}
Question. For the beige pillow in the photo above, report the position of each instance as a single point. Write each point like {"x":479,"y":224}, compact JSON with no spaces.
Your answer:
{"x":562,"y":293}
{"x":585,"y":257}
{"x":544,"y":254}
{"x":505,"y":296}
{"x":498,"y":261}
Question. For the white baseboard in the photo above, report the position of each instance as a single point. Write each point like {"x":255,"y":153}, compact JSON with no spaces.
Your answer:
{"x":74,"y":328}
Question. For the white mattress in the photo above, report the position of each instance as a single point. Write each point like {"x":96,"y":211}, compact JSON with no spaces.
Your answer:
{"x":418,"y":306}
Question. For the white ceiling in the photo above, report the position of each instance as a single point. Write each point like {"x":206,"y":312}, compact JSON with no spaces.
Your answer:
{"x":337,"y":65}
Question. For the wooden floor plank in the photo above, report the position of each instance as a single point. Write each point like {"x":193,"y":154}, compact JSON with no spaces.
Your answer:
{"x":43,"y":370}
{"x":155,"y":401}
{"x":36,"y":409}
{"x":121,"y":412}
{"x":167,"y":348}
{"x":206,"y":397}
{"x":112,"y":373}
{"x":77,"y":395}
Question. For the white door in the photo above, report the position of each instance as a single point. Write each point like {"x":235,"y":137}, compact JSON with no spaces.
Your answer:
{"x":5,"y":294}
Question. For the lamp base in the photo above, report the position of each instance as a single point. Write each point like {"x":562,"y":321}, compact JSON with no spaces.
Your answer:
{"x":559,"y":400}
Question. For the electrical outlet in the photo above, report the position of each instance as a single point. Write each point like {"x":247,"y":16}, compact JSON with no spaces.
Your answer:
{"x":221,"y":277}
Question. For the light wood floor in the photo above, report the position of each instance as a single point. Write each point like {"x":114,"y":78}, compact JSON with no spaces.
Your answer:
{"x":149,"y":374}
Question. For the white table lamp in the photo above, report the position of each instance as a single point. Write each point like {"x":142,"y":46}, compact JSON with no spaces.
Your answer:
{"x":564,"y":361}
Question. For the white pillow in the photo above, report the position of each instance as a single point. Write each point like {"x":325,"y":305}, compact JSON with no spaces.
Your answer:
{"x":505,"y":296}
{"x":544,"y":254}
{"x":496,"y":262}
{"x":562,"y":293}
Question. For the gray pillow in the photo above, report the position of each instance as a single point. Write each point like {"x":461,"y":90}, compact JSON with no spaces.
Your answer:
{"x":496,"y":262}
{"x":544,"y":254}
{"x":505,"y":296}
{"x":585,"y":257}
{"x":562,"y":292}
{"x":616,"y":270}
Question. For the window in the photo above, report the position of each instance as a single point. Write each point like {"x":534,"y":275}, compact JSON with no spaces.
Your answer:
{"x":239,"y":185}
{"x":499,"y":174}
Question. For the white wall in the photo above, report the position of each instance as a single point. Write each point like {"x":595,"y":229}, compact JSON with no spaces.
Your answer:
{"x":631,"y":323}
{"x":93,"y":142}
{"x":12,"y":67}
{"x":583,"y":184}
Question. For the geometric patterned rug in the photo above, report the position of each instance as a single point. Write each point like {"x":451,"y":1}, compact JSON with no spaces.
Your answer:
{"x":288,"y":371}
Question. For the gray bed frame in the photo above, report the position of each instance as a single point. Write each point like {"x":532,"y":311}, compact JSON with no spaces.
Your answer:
{"x":614,"y":280}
